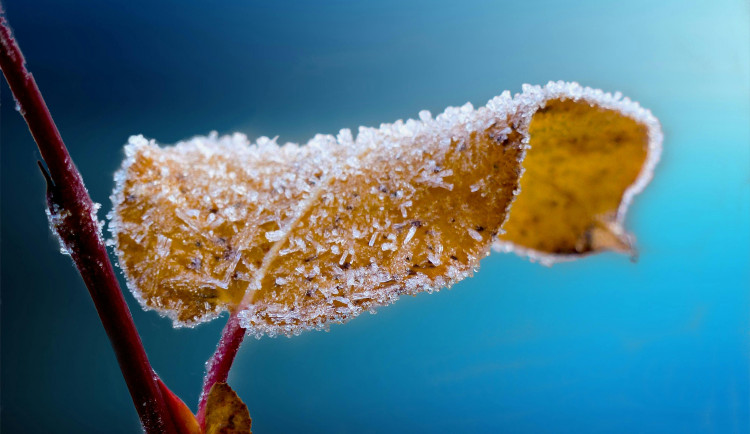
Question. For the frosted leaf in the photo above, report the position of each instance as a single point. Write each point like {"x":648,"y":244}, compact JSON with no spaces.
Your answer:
{"x":296,"y":237}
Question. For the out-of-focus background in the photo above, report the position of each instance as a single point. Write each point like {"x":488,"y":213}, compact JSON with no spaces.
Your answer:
{"x":599,"y":345}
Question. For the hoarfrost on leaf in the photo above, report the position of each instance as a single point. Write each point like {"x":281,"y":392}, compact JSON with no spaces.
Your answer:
{"x":274,"y":235}
{"x":297,"y":237}
{"x":410,"y":234}
{"x":474,"y":234}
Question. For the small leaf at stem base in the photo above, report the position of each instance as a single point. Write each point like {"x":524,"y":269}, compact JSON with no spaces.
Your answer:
{"x":225,"y":412}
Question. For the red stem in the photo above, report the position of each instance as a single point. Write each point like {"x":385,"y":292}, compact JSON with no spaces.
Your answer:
{"x":218,"y":366}
{"x":79,"y":232}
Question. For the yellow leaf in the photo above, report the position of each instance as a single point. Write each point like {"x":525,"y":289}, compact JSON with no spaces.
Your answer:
{"x":588,"y":156}
{"x":299,"y":236}
{"x":225,"y":412}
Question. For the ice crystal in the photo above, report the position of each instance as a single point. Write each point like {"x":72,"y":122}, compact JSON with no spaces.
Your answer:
{"x":56,"y":217}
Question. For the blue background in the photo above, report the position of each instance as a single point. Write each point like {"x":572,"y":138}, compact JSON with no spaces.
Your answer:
{"x":599,"y":345}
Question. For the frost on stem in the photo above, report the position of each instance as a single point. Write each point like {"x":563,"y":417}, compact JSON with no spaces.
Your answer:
{"x":56,"y":217}
{"x":301,"y":236}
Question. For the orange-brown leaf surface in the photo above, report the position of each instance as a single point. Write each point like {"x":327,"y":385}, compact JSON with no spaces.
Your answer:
{"x":298,"y":236}
{"x":581,"y":162}
{"x":225,"y":412}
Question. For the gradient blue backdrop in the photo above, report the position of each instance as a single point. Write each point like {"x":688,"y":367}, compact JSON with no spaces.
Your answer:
{"x":600,"y":345}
